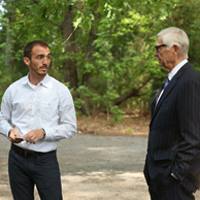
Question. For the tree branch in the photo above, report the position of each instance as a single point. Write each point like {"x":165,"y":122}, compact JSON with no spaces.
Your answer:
{"x":135,"y":92}
{"x":52,"y":10}
{"x":54,"y":23}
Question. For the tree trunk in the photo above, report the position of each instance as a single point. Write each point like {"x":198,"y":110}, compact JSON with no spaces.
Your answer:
{"x":9,"y":53}
{"x":69,"y":65}
{"x":92,"y":37}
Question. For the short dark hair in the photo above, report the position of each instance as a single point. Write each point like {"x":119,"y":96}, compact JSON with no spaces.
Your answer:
{"x":28,"y":48}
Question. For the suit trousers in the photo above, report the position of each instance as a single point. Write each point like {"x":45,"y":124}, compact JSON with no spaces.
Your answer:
{"x":42,"y":171}
{"x":173,"y":191}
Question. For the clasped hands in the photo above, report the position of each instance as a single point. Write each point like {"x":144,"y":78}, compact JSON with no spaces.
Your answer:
{"x":32,"y":136}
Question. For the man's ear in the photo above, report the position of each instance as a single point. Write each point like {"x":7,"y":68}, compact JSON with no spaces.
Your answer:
{"x":26,"y":61}
{"x":176,"y":48}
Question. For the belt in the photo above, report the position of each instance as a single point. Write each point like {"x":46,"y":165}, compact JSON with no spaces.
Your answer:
{"x":28,"y":153}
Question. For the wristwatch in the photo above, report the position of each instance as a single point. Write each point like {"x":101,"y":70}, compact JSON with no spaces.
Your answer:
{"x":44,"y":132}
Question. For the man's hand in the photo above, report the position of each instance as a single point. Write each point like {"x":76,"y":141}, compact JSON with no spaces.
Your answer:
{"x":34,"y":135}
{"x":14,"y":136}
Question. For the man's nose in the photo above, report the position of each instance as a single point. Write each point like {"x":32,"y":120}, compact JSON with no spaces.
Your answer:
{"x":155,"y":53}
{"x":45,"y":60}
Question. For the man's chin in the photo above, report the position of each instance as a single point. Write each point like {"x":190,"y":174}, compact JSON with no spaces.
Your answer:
{"x":160,"y":64}
{"x":42,"y":74}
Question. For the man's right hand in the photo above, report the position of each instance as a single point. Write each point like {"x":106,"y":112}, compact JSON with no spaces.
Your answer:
{"x":14,"y":136}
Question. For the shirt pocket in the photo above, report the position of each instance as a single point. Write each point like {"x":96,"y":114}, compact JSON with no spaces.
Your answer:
{"x":49,"y":109}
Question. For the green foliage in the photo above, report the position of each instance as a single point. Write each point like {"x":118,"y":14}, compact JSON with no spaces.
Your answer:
{"x":117,"y":114}
{"x":114,"y":45}
{"x":129,"y":130}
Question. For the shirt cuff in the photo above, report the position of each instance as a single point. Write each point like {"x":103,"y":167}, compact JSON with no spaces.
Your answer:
{"x":174,"y":176}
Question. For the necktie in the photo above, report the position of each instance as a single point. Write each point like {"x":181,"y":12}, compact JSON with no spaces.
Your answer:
{"x":158,"y":94}
{"x":166,"y":82}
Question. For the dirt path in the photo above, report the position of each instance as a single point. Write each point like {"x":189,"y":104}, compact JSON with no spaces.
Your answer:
{"x":94,"y":168}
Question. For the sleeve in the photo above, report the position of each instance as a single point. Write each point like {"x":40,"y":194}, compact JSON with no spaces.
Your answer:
{"x":67,"y":126}
{"x":5,"y":114}
{"x":188,"y":150}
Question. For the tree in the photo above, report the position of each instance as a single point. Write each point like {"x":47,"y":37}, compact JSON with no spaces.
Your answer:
{"x":103,"y":50}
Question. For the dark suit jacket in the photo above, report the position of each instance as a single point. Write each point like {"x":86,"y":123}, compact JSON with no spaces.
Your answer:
{"x":174,"y":137}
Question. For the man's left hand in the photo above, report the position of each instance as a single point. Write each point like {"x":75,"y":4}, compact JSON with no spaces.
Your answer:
{"x":34,"y":135}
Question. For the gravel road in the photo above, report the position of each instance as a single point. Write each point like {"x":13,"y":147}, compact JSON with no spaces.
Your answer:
{"x":94,"y":168}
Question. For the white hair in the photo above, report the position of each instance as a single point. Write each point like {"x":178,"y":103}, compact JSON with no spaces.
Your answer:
{"x":173,"y":35}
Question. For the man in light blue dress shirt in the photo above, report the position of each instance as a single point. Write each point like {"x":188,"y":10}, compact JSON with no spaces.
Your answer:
{"x":36,"y":112}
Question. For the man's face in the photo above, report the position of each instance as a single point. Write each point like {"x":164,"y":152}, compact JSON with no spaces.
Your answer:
{"x":164,"y":55}
{"x":40,"y":61}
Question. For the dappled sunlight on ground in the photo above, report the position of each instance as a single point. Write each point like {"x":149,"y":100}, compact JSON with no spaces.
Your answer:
{"x":102,"y":167}
{"x":105,"y":185}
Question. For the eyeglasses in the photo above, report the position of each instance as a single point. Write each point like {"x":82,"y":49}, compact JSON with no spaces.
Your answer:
{"x":158,"y":47}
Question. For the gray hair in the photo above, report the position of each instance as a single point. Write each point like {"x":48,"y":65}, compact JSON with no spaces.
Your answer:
{"x":173,"y":35}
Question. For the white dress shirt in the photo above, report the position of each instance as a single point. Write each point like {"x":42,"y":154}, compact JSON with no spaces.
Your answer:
{"x":176,"y":69}
{"x":48,"y":105}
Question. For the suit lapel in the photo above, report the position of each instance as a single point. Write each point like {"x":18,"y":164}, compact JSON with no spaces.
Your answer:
{"x":166,"y":92}
{"x":168,"y":89}
{"x":153,"y":104}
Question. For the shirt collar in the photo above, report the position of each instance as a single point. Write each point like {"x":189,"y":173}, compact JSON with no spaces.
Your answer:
{"x":44,"y":82}
{"x":176,"y":69}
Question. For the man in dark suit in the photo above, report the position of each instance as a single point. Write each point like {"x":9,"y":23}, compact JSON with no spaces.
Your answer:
{"x":172,"y":167}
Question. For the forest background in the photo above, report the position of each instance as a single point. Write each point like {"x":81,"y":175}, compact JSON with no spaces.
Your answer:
{"x":102,"y":50}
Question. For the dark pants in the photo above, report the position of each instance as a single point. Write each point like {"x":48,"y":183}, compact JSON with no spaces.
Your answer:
{"x":172,"y":191}
{"x":42,"y":171}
